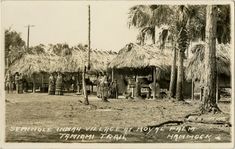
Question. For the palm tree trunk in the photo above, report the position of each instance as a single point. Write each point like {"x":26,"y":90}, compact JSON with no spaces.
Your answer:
{"x":173,"y":75}
{"x":209,"y":97}
{"x":180,"y":77}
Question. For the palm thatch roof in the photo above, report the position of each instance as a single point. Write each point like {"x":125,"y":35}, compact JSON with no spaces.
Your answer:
{"x":136,"y":56}
{"x":64,"y":60}
{"x":30,"y":63}
{"x":195,"y":65}
{"x":136,"y":59}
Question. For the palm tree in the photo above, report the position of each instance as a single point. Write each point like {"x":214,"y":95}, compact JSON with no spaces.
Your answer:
{"x":210,"y":62}
{"x":223,"y":24}
{"x":183,"y":25}
{"x":14,"y":46}
{"x":147,"y":17}
{"x":182,"y":28}
{"x":180,"y":18}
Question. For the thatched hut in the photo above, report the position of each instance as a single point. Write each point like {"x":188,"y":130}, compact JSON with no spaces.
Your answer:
{"x":195,"y":65}
{"x":61,"y":58}
{"x":144,"y":60}
{"x":34,"y":67}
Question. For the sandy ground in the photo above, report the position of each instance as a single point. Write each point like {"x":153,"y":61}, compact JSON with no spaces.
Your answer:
{"x":42,"y":118}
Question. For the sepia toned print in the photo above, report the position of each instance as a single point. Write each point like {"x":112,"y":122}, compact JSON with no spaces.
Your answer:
{"x":118,"y":72}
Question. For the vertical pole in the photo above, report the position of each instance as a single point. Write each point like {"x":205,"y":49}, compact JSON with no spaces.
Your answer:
{"x":84,"y":87}
{"x":192,"y":89}
{"x":34,"y":83}
{"x":137,"y":86}
{"x":42,"y":83}
{"x":7,"y":63}
{"x":86,"y":102}
{"x":201,"y":93}
{"x":78,"y":85}
{"x":154,"y":82}
{"x":132,"y":92}
{"x":28,"y":26}
{"x":89,"y":36}
{"x":28,"y":38}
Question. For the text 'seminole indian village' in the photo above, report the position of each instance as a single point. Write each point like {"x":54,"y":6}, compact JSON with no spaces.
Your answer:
{"x":118,"y":72}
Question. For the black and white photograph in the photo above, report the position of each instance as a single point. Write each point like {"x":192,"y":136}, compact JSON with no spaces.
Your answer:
{"x":128,"y":74}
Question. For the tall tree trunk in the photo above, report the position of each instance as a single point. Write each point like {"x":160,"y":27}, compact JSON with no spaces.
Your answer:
{"x":209,"y":97}
{"x":180,"y":77}
{"x":173,"y":75}
{"x":86,"y":102}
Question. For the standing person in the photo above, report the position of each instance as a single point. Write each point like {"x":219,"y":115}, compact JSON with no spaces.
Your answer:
{"x":9,"y":82}
{"x":73,"y":82}
{"x":116,"y":89}
{"x":17,"y":82}
{"x":51,"y":85}
{"x":157,"y":89}
{"x":59,"y":84}
{"x":98,"y":86}
{"x":104,"y":88}
{"x":20,"y":84}
{"x":25,"y":84}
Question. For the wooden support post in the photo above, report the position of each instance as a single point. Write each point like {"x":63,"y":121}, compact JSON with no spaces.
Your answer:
{"x":132,"y":92}
{"x":192,"y":89}
{"x":41,"y":89}
{"x":137,"y":93}
{"x":201,"y":93}
{"x":217,"y":88}
{"x":34,"y":84}
{"x":154,"y":83}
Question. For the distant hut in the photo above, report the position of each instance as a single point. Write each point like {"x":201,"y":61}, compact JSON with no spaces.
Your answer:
{"x":99,"y":61}
{"x":195,"y":66}
{"x":61,"y":58}
{"x":34,"y":66}
{"x":144,"y":60}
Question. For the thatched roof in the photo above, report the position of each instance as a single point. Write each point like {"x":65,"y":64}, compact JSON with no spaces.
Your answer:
{"x":195,"y":65}
{"x":66,"y":60}
{"x":29,"y":64}
{"x":136,"y":56}
{"x":99,"y":60}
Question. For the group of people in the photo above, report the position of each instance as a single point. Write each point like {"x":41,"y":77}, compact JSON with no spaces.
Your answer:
{"x":107,"y":89}
{"x":55,"y":86}
{"x":17,"y":82}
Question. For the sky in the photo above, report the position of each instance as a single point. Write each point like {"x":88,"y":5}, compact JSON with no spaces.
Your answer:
{"x":67,"y":22}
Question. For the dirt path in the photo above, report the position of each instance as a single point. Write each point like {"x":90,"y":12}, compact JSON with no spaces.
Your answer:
{"x":27,"y":113}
